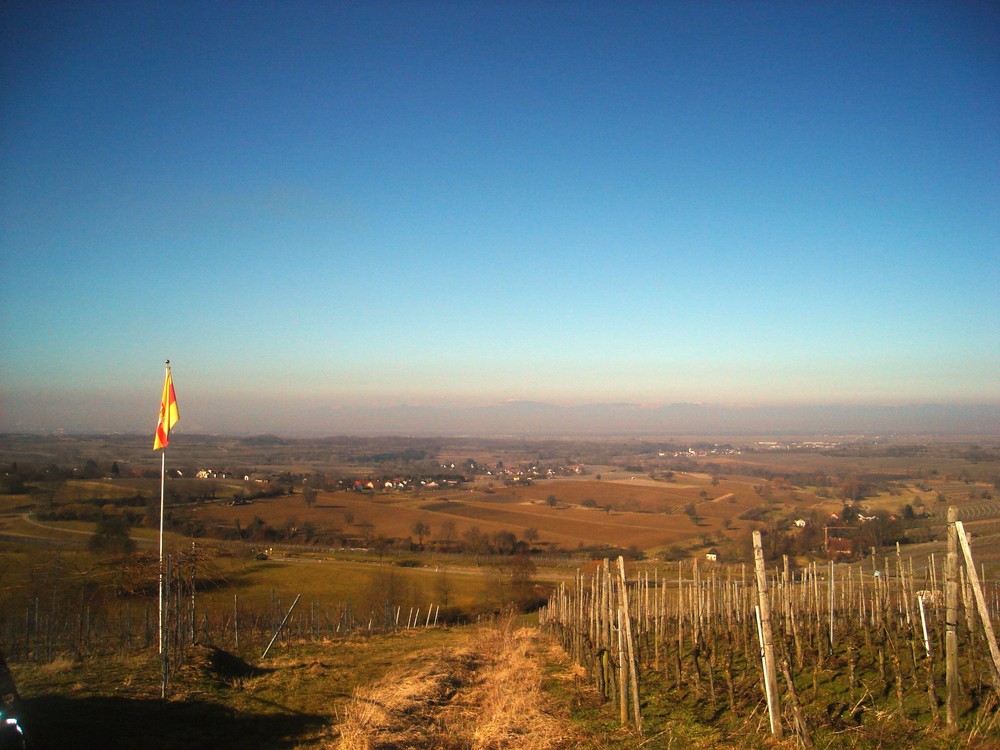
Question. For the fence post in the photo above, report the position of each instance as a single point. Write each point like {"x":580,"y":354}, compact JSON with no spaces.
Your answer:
{"x":767,"y":642}
{"x":984,"y":614}
{"x":832,"y":603}
{"x":633,"y":666}
{"x":951,"y":624}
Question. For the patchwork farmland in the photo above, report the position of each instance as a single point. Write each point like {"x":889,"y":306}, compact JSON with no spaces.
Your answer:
{"x":418,"y":584}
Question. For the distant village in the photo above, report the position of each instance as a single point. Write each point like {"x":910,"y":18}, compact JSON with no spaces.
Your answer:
{"x":702,"y":450}
{"x":447,"y":475}
{"x":452,"y":474}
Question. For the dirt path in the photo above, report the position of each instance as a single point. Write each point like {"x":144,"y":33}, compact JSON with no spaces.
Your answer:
{"x":484,"y":693}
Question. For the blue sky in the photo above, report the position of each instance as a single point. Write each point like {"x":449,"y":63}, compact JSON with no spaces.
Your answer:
{"x":323,"y":206}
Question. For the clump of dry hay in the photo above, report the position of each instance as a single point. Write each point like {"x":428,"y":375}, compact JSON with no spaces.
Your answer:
{"x":400,"y":710}
{"x":506,"y":707}
{"x":484,"y":697}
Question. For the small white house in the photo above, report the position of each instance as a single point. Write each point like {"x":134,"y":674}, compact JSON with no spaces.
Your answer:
{"x":712,"y":555}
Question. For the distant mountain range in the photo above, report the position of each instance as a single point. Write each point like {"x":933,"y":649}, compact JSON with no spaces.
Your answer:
{"x":531,"y":417}
{"x":225,"y":415}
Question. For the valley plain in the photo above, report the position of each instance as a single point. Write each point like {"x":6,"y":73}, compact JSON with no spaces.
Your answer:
{"x":384,"y":539}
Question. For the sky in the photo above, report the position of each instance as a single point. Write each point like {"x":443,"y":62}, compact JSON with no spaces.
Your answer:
{"x":322,"y":213}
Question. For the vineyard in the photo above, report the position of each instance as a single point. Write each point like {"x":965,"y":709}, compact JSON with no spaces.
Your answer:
{"x":813,"y":653}
{"x":57,"y":616}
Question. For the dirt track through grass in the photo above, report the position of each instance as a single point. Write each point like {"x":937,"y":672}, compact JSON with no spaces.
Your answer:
{"x":487,"y":693}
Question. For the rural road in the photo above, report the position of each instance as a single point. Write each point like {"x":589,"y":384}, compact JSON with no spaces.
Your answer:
{"x":26,"y":517}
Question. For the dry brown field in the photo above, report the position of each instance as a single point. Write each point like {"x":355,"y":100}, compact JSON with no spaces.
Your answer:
{"x":641,"y":512}
{"x":646,"y":497}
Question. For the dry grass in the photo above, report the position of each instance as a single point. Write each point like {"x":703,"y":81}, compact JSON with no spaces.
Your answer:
{"x":58,"y":665}
{"x":485,"y":696}
{"x":399,"y":711}
{"x":506,"y":707}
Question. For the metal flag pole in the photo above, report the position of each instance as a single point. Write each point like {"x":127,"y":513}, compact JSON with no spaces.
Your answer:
{"x":168,"y":417}
{"x":163,"y":470}
{"x":163,"y":475}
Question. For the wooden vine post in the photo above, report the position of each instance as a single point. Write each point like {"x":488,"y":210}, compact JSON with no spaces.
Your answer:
{"x":832,"y":586}
{"x":629,"y":643}
{"x":951,"y":624}
{"x":984,"y":614}
{"x":767,"y":639}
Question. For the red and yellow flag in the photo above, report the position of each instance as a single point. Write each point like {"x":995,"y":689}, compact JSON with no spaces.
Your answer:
{"x":168,"y":414}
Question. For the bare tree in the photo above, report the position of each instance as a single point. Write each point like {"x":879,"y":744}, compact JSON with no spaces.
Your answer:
{"x":449,"y":532}
{"x":421,"y":529}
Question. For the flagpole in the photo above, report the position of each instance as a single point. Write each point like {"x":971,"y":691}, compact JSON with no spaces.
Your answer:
{"x":163,"y":473}
{"x":163,"y":476}
{"x":167,"y":419}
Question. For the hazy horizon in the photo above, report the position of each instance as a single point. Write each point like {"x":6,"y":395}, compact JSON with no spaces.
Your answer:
{"x":524,"y":418}
{"x":405,"y":214}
